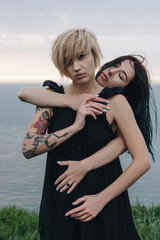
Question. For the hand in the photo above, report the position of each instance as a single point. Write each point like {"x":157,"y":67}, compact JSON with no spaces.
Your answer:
{"x":92,"y":205}
{"x":75,"y":172}
{"x":88,"y":107}
{"x":75,"y":101}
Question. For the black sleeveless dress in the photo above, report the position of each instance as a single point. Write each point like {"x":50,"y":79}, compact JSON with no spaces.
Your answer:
{"x":115,"y":221}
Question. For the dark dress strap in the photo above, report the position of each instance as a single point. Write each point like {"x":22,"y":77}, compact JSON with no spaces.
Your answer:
{"x":54,"y":86}
{"x":109,"y":92}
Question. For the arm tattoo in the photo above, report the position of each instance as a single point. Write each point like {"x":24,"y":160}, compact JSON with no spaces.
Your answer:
{"x":38,"y":108}
{"x":42,"y":123}
{"x":28,"y":136}
{"x":40,"y":139}
{"x":29,"y":153}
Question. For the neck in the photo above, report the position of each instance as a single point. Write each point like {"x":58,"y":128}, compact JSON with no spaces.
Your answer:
{"x":91,"y":87}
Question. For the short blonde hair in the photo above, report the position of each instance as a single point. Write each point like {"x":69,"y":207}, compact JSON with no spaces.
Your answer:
{"x":68,"y":44}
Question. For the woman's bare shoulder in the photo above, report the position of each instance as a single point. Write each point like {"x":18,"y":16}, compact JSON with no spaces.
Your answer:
{"x":118,"y":100}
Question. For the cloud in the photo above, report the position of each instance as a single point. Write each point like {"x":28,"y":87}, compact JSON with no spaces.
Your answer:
{"x":25,"y":43}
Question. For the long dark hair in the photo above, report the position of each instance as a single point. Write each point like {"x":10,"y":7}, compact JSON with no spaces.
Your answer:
{"x":140,"y":96}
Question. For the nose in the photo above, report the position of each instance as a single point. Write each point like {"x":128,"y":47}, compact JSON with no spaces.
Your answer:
{"x":113,"y":71}
{"x":76,"y":66}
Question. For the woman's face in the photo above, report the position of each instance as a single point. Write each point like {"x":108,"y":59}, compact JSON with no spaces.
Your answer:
{"x":117,"y":76}
{"x":82,"y":69}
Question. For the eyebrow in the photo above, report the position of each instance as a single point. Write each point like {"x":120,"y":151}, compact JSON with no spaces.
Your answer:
{"x":82,"y":52}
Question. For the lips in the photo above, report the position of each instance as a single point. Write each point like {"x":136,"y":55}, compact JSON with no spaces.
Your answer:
{"x":104,"y":76}
{"x":81,"y":75}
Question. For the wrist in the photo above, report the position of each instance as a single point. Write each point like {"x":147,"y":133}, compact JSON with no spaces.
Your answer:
{"x":86,"y":163}
{"x":74,"y":128}
{"x":105,"y":195}
{"x":102,"y":199}
{"x":68,"y":101}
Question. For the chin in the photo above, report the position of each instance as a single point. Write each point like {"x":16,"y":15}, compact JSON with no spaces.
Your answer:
{"x":101,"y":82}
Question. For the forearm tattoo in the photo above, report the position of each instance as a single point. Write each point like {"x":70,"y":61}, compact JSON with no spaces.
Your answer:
{"x":42,"y":123}
{"x":40,"y":139}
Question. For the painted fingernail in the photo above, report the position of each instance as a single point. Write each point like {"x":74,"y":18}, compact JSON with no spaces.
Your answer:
{"x":59,"y":162}
{"x":66,"y":214}
{"x":105,"y":110}
{"x":97,"y":95}
{"x":108,"y":107}
{"x":73,"y":203}
{"x":61,"y":190}
{"x":107,"y":101}
{"x":57,"y":189}
{"x":55,"y":183}
{"x":68,"y":192}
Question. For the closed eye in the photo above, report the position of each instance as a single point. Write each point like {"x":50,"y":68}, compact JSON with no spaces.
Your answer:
{"x":121,"y":77}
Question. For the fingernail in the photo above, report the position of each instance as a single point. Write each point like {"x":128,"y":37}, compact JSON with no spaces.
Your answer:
{"x":59,"y":162}
{"x":57,"y":189}
{"x":68,"y":192}
{"x":101,"y":112}
{"x":97,"y":95}
{"x":73,"y":203}
{"x":61,"y":190}
{"x":108,"y":107}
{"x":55,"y":183}
{"x":66,"y":214}
{"x":105,"y":110}
{"x":107,"y":101}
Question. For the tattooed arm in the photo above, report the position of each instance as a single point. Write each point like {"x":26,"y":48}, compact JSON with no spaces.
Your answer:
{"x":37,"y":142}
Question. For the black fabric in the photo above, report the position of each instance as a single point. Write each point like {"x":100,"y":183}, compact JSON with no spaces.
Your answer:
{"x":115,"y":221}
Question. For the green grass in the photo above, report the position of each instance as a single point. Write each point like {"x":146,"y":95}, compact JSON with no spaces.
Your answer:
{"x":19,"y":224}
{"x":147,"y":221}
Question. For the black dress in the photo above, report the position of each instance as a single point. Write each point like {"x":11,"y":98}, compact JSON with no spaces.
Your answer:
{"x":115,"y":221}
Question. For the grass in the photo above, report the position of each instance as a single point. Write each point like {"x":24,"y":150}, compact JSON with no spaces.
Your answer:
{"x":147,"y":221}
{"x":20,"y":224}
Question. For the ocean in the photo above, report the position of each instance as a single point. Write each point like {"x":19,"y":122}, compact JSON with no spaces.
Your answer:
{"x":21,"y":180}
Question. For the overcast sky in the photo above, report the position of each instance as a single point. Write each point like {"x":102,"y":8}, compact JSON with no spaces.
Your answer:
{"x":28,"y":28}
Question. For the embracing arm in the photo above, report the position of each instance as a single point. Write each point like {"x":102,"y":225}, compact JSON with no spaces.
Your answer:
{"x":105,"y":155}
{"x":136,"y":145}
{"x":46,"y":97}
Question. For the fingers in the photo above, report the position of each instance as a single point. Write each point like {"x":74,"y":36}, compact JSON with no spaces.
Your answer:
{"x":61,"y":163}
{"x":78,"y":209}
{"x":79,"y":200}
{"x":89,"y":112}
{"x":99,"y":99}
{"x":87,"y":219}
{"x":96,"y":111}
{"x":97,"y":106}
{"x":72,"y":187}
{"x":95,"y":98}
{"x":65,"y":184}
{"x":81,"y":218}
{"x":75,"y":210}
{"x":60,"y":178}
